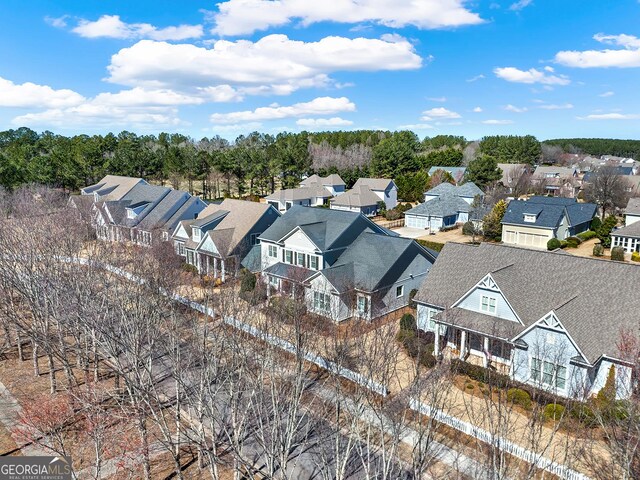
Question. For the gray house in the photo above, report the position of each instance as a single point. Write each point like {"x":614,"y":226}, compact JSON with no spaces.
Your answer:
{"x":341,"y":263}
{"x":360,"y":199}
{"x":535,"y":315}
{"x":146,"y":214}
{"x":444,"y":206}
{"x":223,"y":236}
{"x":628,"y":237}
{"x":533,"y":222}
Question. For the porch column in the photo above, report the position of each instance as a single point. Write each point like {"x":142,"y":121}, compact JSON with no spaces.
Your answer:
{"x":436,"y":345}
{"x":463,"y":343}
{"x":222,"y":275}
{"x":485,"y":350}
{"x":215,"y":267}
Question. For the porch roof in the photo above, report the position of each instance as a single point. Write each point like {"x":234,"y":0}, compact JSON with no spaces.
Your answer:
{"x":292,"y":273}
{"x":479,"y":323}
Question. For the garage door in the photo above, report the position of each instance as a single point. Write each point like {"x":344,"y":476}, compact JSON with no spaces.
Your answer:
{"x":531,"y":240}
{"x":416,"y":222}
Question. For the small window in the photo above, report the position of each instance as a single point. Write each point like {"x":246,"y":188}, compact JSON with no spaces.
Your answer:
{"x":529,"y":218}
{"x":196,"y":234}
{"x":399,"y":291}
{"x":273,"y":281}
{"x":181,"y":249}
{"x":300,"y":259}
{"x":488,"y":304}
{"x":313,"y":262}
{"x":321,"y":301}
{"x":430,"y":321}
{"x":288,"y":256}
{"x":254,"y":238}
{"x":363,"y":306}
{"x":273,"y":251}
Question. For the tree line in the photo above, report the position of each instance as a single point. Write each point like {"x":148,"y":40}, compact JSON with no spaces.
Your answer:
{"x":599,"y":146}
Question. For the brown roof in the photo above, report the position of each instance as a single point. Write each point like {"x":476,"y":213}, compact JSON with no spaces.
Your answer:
{"x":360,"y":196}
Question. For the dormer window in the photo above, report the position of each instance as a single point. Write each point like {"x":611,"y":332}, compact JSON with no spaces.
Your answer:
{"x":133,"y":212}
{"x":530,"y":217}
{"x":196,"y":234}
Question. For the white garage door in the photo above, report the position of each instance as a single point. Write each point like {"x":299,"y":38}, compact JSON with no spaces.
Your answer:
{"x":416,"y":222}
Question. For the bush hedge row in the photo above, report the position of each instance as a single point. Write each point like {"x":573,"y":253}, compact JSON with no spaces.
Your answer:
{"x":437,"y":246}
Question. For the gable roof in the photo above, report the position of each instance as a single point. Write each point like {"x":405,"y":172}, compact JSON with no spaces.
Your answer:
{"x":360,"y":196}
{"x":549,"y":212}
{"x":113,"y":187}
{"x":374,"y":261}
{"x":632,"y":230}
{"x":552,"y":281}
{"x":633,"y":206}
{"x":325,"y":227}
{"x":561,"y":172}
{"x":380,"y":184}
{"x":444,"y":205}
{"x":511,"y":170}
{"x":456,"y":172}
{"x":468,"y":189}
{"x":302,"y":193}
{"x":333,"y":180}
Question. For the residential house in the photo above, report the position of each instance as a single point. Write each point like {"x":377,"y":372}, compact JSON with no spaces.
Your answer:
{"x":224,"y":237}
{"x":341,"y":263}
{"x":112,"y":187}
{"x":556,"y":181}
{"x":145,"y":215}
{"x":537,"y":316}
{"x":314,"y":191}
{"x":628,"y":237}
{"x":533,"y":222}
{"x":384,"y":188}
{"x":333,"y":183}
{"x":444,"y":206}
{"x":513,"y":174}
{"x":360,"y":199}
{"x":457,"y":173}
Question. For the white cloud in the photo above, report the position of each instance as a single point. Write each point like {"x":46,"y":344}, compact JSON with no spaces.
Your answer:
{"x":549,"y":69}
{"x":512,"y":108}
{"x":32,"y":95}
{"x":512,"y":74}
{"x":626,"y":57}
{"x":239,"y":17}
{"x":437,"y":99}
{"x":477,"y":109}
{"x":317,"y":106}
{"x":57,"y":22}
{"x":415,"y":126}
{"x":238,"y":127}
{"x":439,"y":112}
{"x":476,"y":78}
{"x":497,"y":122}
{"x":273,"y":65}
{"x":110,"y":26}
{"x":607,"y":94}
{"x":520,"y":4}
{"x":137,"y":97}
{"x":564,"y":106}
{"x":324,"y":122}
{"x":611,"y":116}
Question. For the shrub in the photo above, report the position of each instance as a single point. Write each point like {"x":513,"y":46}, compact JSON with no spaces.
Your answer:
{"x":468,"y":229}
{"x":553,"y":411}
{"x":437,"y":246}
{"x":563,"y":244}
{"x":519,"y":397}
{"x":635,"y":257}
{"x":187,"y":267}
{"x":584,"y":414}
{"x":427,"y":359}
{"x":408,"y":322}
{"x":448,"y":228}
{"x":595,"y":224}
{"x":476,"y":372}
{"x":598,"y":250}
{"x":588,"y":235}
{"x":607,"y":394}
{"x":247,"y":281}
{"x":553,"y":244}
{"x":573,"y":242}
{"x":617,"y":253}
{"x":412,"y":294}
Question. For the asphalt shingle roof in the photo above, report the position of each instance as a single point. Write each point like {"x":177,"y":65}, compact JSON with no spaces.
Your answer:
{"x":456,"y":172}
{"x":380,"y":184}
{"x":632,"y":230}
{"x":633,"y":206}
{"x":468,"y":189}
{"x":549,"y":212}
{"x":113,"y":186}
{"x":444,"y":205}
{"x":535,"y":282}
{"x":360,"y":196}
{"x":334,"y":180}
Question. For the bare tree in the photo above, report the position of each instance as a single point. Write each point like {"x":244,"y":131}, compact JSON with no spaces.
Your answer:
{"x":607,"y":189}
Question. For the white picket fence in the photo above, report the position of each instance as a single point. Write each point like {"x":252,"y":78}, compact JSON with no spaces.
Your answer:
{"x":502,"y":443}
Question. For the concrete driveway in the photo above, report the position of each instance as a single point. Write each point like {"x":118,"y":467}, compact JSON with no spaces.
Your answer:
{"x":409,"y":232}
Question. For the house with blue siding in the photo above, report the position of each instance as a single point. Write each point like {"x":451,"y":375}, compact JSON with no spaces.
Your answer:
{"x":535,"y":315}
{"x":444,"y":206}
{"x":533,"y":222}
{"x":341,"y":263}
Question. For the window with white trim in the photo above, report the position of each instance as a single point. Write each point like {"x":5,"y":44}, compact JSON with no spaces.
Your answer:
{"x":321,"y":301}
{"x":488,"y":304}
{"x":254,"y":238}
{"x":313,"y":262}
{"x":273,"y":251}
{"x":181,"y":249}
{"x":548,"y":374}
{"x":363,"y":305}
{"x":399,"y":291}
{"x":287,"y":256}
{"x":529,"y":218}
{"x":300,"y":259}
{"x":430,"y":321}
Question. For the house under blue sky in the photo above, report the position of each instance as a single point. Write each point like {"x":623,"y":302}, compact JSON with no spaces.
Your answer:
{"x":547,"y":68}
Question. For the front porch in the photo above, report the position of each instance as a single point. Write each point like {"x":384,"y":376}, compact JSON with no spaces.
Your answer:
{"x":209,"y":264}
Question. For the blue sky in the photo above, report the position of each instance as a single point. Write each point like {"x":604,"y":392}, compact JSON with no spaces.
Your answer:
{"x":568,"y":68}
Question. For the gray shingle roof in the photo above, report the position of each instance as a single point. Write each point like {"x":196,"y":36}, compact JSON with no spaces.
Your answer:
{"x":456,"y":172}
{"x":252,"y":261}
{"x":444,"y":205}
{"x":633,"y":206}
{"x":468,"y":189}
{"x":379,"y":184}
{"x":334,"y":180}
{"x":549,"y":211}
{"x":536,"y":282}
{"x":113,"y":186}
{"x":302,"y":193}
{"x":329,"y":228}
{"x":360,"y":196}
{"x":632,"y":230}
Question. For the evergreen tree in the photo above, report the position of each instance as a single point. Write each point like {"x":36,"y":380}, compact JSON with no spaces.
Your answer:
{"x":483,"y":171}
{"x":491,"y":224}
